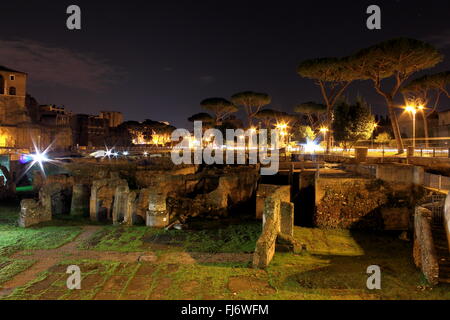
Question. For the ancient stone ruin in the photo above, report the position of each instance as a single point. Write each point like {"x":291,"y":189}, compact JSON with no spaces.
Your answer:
{"x":278,"y":224}
{"x":153,"y":197}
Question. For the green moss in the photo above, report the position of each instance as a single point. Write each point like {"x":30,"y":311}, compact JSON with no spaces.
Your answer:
{"x":9,"y":268}
{"x":14,"y":238}
{"x":235,"y":238}
{"x":117,"y":238}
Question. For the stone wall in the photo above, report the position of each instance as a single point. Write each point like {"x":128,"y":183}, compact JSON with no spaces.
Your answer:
{"x":278,"y":223}
{"x":424,"y":251}
{"x":213,"y":193}
{"x":362,"y":203}
{"x":398,"y":173}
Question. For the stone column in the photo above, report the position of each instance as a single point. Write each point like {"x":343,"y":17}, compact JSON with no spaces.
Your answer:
{"x":93,"y":202}
{"x":130,"y":208}
{"x":80,"y":200}
{"x":157,"y":214}
{"x":120,"y":203}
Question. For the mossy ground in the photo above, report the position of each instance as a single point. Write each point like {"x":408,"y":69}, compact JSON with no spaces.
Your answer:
{"x":332,"y":267}
{"x":14,"y":238}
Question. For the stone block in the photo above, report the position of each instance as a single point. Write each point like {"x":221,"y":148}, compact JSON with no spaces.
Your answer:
{"x":157,"y":219}
{"x":31,"y":213}
{"x":266,"y":244}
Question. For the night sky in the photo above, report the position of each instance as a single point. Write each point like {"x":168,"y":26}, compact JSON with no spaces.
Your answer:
{"x":159,"y":59}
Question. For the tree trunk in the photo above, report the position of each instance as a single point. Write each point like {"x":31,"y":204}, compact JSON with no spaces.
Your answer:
{"x":395,"y":127}
{"x":425,"y":128}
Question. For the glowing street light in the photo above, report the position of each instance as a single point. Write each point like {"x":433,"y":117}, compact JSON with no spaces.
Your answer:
{"x":413,"y":111}
{"x":324,"y":130}
{"x":281,"y":126}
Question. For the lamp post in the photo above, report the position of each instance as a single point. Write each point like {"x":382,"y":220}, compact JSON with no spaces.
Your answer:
{"x":413,"y":111}
{"x":324,"y":131}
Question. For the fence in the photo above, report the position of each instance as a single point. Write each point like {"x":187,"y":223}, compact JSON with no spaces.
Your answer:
{"x":436,"y":181}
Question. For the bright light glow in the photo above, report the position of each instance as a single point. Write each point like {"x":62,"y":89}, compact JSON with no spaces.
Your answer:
{"x":126,"y":153}
{"x":281,"y":126}
{"x":39,"y":157}
{"x":324,"y":129}
{"x":311,"y":146}
{"x":411,"y":109}
{"x":145,"y":153}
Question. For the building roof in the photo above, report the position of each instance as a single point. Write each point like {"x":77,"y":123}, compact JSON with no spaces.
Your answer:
{"x":3,"y":68}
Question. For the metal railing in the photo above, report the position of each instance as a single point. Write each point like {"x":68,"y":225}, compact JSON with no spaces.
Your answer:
{"x":436,"y":181}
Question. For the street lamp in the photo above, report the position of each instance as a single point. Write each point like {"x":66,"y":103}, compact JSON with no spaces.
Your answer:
{"x":413,"y":111}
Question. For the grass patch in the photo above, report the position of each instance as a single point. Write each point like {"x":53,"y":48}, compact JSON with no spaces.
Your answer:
{"x":9,"y":268}
{"x":328,"y":242}
{"x":117,"y":238}
{"x":231,"y":239}
{"x":14,"y":238}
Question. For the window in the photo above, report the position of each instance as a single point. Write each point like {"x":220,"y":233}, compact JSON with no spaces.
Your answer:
{"x":2,"y":85}
{"x":12,"y":77}
{"x":12,"y":91}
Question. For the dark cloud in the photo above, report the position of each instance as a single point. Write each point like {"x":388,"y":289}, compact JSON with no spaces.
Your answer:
{"x":56,"y":66}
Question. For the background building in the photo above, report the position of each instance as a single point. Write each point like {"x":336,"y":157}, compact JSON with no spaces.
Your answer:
{"x":114,"y":118}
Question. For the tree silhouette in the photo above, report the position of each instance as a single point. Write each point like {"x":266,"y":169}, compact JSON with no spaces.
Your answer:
{"x":427,"y":90}
{"x":252,"y":102}
{"x":395,"y":60}
{"x":333,"y":76}
{"x":352,"y":122}
{"x":220,"y":107}
{"x":312,"y":111}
